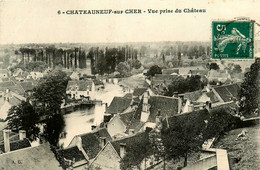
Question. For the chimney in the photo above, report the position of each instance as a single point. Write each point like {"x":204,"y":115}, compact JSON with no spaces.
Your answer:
{"x":175,"y":94}
{"x":106,"y":107}
{"x":208,"y":105}
{"x":190,"y":107}
{"x":22,"y":134}
{"x":180,"y":102}
{"x":145,"y":108}
{"x":6,"y":140}
{"x":79,"y":143}
{"x":102,"y":141}
{"x":122,"y":149}
{"x":131,"y":132}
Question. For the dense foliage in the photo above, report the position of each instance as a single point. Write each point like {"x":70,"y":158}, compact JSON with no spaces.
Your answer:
{"x":123,"y":69}
{"x":24,"y":117}
{"x":213,"y":66}
{"x":46,"y":99}
{"x":249,"y":93}
{"x":136,"y":152}
{"x":182,"y":85}
{"x":106,"y":61}
{"x":184,"y":135}
{"x":31,"y":66}
{"x":155,"y":69}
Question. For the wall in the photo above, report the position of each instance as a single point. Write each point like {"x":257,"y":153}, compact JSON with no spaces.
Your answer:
{"x":115,"y":126}
{"x":107,"y":159}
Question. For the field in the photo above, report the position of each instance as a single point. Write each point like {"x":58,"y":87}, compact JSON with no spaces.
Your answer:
{"x":244,"y":153}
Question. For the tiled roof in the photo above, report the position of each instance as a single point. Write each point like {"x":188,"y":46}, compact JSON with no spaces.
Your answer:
{"x":6,"y":84}
{"x":91,"y":141}
{"x":27,"y":85}
{"x":127,"y":117}
{"x":14,"y":101}
{"x":215,"y":74}
{"x":19,"y":144}
{"x":167,"y":106}
{"x":135,"y":122}
{"x":135,"y":140}
{"x":170,"y":71}
{"x":163,"y":78}
{"x":11,"y":86}
{"x":139,"y":91}
{"x":72,"y":153}
{"x":193,"y":96}
{"x":212,"y":96}
{"x":82,"y":85}
{"x":187,"y":116}
{"x":199,"y":72}
{"x":39,"y":157}
{"x":228,"y":92}
{"x":128,"y":95}
{"x":119,"y":104}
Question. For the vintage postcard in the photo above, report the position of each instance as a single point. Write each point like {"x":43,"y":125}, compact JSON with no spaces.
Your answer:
{"x":130,"y":84}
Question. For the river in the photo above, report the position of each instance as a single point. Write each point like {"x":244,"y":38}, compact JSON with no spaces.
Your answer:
{"x":80,"y":122}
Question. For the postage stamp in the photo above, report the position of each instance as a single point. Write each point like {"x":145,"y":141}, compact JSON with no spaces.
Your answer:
{"x":233,"y":39}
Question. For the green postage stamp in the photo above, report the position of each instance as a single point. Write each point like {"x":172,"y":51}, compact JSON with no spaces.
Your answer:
{"x":233,"y":39}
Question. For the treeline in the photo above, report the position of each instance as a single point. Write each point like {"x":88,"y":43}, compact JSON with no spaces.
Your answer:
{"x":52,"y":56}
{"x":106,"y":60}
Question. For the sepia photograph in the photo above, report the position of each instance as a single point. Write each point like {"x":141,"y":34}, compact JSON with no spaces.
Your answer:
{"x":133,"y":84}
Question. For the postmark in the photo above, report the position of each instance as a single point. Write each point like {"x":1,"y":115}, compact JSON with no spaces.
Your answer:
{"x":233,"y":39}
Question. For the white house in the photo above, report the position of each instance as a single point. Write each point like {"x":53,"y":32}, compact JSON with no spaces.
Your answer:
{"x":78,"y":89}
{"x":74,"y":76}
{"x":35,"y":75}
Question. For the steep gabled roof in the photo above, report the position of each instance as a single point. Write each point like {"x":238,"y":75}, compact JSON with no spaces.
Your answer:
{"x":166,"y":105}
{"x":39,"y":157}
{"x":228,"y":92}
{"x":193,"y":96}
{"x":119,"y":104}
{"x":126,"y":117}
{"x":19,"y":144}
{"x":135,"y":122}
{"x":128,"y":95}
{"x":72,"y":153}
{"x":91,"y":142}
{"x":212,"y":96}
{"x":130,"y":141}
{"x":139,"y":91}
{"x":27,"y":85}
{"x":195,"y":115}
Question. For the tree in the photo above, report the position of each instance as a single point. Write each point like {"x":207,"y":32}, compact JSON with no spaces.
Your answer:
{"x":183,"y":135}
{"x":24,"y":117}
{"x":47,"y":98}
{"x":136,"y":151}
{"x":220,"y":121}
{"x":237,"y":69}
{"x":123,"y":69}
{"x":214,"y":66}
{"x":134,"y":64}
{"x":181,"y":85}
{"x":155,"y":69}
{"x":54,"y":125}
{"x":249,"y":93}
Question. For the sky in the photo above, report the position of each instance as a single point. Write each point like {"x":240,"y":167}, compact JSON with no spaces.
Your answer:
{"x":37,"y":21}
